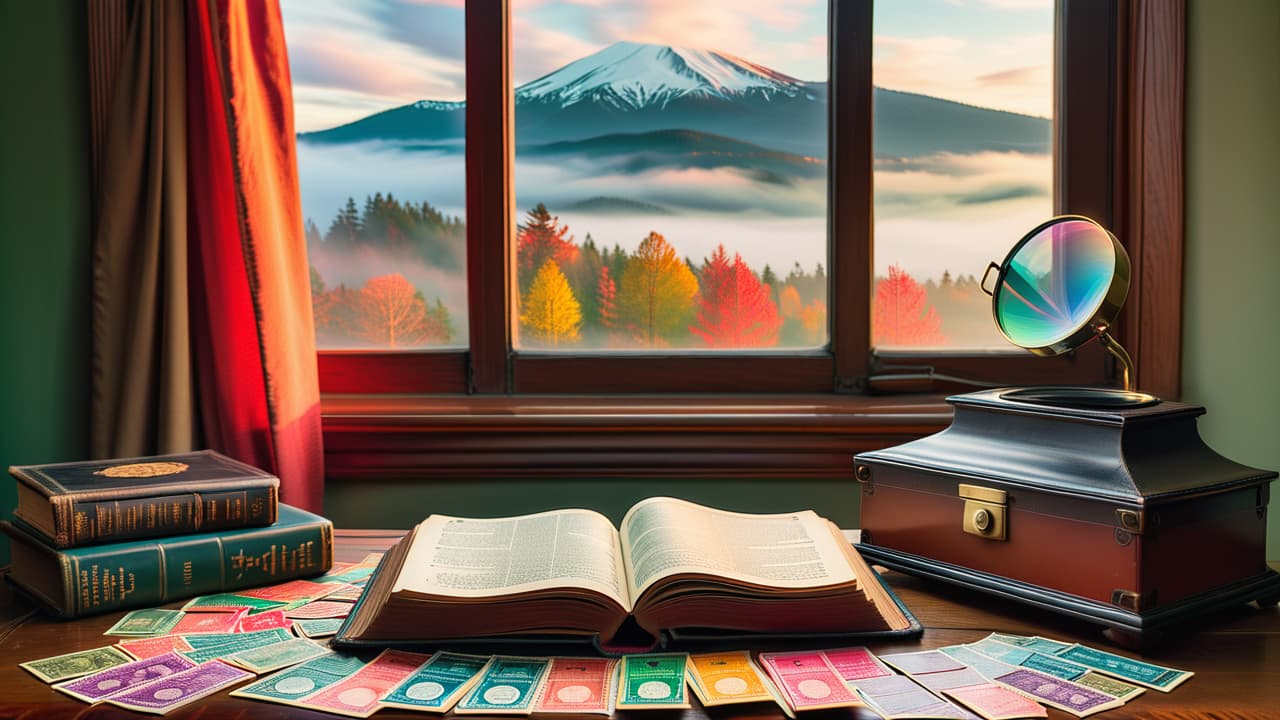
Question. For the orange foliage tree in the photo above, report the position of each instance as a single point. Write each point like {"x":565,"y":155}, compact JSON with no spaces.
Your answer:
{"x":734,"y":308}
{"x":655,"y":296}
{"x":542,"y":238}
{"x":901,"y":314}
{"x":393,"y":313}
{"x":549,"y":312}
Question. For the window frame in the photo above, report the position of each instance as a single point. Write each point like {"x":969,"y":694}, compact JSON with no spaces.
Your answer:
{"x":1118,"y":109}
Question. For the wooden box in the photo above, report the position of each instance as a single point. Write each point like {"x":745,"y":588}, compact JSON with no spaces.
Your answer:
{"x":1122,"y":516}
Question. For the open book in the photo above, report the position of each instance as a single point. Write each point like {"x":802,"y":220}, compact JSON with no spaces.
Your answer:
{"x":672,"y":566}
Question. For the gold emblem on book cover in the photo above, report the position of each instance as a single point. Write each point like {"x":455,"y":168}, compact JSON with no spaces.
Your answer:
{"x":141,"y":470}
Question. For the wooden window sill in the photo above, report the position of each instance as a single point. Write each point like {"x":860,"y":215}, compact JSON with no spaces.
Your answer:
{"x":618,"y":436}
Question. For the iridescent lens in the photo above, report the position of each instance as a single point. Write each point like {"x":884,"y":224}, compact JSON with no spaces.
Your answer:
{"x":1055,"y":283}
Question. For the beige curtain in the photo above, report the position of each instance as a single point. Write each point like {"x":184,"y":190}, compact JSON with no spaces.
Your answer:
{"x":143,"y":393}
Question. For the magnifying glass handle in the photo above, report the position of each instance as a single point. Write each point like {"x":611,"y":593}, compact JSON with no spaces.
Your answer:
{"x":1126,"y":363}
{"x":983,"y":285}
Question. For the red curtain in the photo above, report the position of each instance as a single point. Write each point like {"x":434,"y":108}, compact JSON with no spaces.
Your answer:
{"x":252,"y":331}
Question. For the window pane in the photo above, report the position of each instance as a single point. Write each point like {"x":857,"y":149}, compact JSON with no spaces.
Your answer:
{"x":671,"y":174}
{"x":963,"y":128}
{"x":377,"y":91}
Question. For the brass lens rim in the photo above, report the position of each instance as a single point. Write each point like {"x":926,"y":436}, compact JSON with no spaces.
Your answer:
{"x":1101,"y":319}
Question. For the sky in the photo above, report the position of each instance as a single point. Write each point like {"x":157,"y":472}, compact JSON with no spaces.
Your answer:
{"x":351,"y":58}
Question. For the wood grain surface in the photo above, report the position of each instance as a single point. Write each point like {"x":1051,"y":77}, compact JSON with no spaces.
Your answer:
{"x":1235,"y":655}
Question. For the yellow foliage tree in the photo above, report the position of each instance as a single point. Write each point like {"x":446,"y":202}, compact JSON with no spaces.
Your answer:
{"x":655,"y":295}
{"x":549,"y":312}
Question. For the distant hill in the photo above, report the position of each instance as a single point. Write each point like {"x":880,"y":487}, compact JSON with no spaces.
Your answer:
{"x":601,"y":205}
{"x":638,"y":152}
{"x":639,"y":89}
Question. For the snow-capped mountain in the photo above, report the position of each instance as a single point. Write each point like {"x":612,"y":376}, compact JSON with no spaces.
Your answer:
{"x":630,"y":76}
{"x":636,"y":89}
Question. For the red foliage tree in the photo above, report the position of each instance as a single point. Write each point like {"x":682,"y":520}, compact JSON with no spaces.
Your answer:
{"x":735,"y":309}
{"x":901,"y":315}
{"x":607,"y":299}
{"x":542,"y":238}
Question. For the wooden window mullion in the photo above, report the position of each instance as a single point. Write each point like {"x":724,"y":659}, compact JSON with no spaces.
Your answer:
{"x":490,"y":191}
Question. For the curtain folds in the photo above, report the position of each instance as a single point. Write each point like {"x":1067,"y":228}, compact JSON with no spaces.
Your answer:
{"x":143,"y":392}
{"x":238,"y":247}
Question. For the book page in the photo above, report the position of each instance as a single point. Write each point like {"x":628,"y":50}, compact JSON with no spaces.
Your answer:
{"x":468,"y":557}
{"x":664,"y":536}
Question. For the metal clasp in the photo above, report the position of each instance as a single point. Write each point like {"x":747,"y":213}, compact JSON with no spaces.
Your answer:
{"x":985,"y":512}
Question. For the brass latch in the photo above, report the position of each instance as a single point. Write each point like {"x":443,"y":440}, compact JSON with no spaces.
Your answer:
{"x":985,"y":512}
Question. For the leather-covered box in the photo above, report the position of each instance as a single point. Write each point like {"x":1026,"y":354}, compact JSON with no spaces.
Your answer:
{"x":1119,"y":515}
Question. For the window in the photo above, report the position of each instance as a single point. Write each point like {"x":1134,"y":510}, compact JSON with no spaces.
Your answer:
{"x":964,"y":161}
{"x":671,"y":176}
{"x":520,"y":179}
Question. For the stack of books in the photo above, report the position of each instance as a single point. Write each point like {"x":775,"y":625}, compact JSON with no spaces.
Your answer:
{"x":98,"y":536}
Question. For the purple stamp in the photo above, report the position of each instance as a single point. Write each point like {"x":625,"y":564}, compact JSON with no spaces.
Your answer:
{"x":181,"y":688}
{"x":1059,"y":693}
{"x":111,"y":681}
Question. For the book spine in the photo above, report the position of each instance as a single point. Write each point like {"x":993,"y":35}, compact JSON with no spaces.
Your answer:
{"x":114,"y":577}
{"x":97,"y":521}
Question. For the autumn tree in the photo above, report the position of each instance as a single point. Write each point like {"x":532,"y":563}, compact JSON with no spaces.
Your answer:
{"x":607,"y":299}
{"x":394,"y":313}
{"x":337,"y":314}
{"x":655,"y":295}
{"x":541,"y":238}
{"x":735,"y":309}
{"x":901,"y":313}
{"x":813,"y":323}
{"x":583,"y":274}
{"x":549,"y":312}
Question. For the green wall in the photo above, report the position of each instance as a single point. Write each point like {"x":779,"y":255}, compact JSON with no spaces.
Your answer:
{"x":400,"y":504}
{"x":44,"y":230}
{"x":1231,"y":306}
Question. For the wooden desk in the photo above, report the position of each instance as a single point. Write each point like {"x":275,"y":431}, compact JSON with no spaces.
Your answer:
{"x":1236,"y":656}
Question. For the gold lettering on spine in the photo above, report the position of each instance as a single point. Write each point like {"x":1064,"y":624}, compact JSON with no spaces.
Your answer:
{"x":80,"y":525}
{"x":187,"y":573}
{"x":95,"y":592}
{"x":128,"y":520}
{"x":85,"y":596}
{"x":128,"y":584}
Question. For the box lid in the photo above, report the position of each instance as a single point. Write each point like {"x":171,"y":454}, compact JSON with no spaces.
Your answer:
{"x":1138,"y":455}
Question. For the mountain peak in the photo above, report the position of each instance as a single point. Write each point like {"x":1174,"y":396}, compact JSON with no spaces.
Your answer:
{"x":632,"y":75}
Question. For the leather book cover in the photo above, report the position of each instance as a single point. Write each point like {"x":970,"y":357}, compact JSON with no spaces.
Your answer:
{"x":87,"y":502}
{"x":143,"y":573}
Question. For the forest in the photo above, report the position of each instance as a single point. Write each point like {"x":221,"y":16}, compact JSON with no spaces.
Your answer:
{"x":581,"y":295}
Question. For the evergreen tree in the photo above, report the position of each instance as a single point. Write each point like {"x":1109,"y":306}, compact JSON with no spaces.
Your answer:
{"x":584,"y":275}
{"x":542,"y":238}
{"x":345,"y":229}
{"x":769,"y":277}
{"x":655,"y":295}
{"x":549,"y":313}
{"x":735,"y":309}
{"x":317,"y":282}
{"x":440,"y":322}
{"x":312,"y":233}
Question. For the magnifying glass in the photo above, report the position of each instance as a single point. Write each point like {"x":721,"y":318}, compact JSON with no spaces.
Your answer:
{"x":1061,"y":286}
